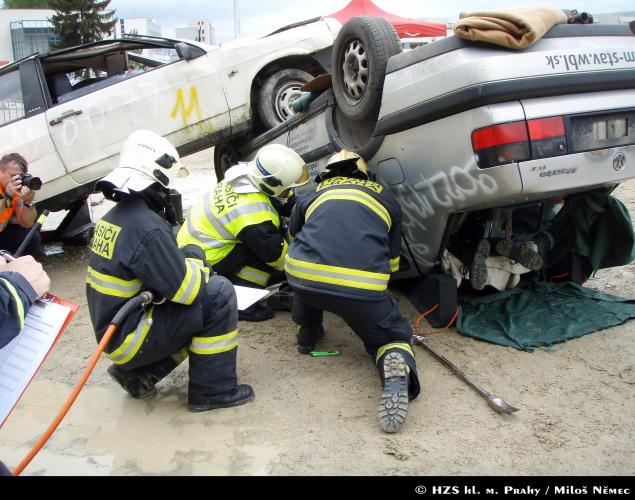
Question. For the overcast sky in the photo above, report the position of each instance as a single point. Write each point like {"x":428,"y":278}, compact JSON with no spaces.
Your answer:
{"x":262,"y":15}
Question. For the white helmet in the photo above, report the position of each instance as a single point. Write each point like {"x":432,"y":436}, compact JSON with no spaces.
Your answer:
{"x":145,"y":158}
{"x":277,"y":168}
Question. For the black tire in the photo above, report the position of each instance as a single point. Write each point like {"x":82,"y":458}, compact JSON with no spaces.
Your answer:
{"x":358,"y":64}
{"x":225,"y":155}
{"x":277,"y":93}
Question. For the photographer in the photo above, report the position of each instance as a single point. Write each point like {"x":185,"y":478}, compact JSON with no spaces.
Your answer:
{"x":17,"y":213}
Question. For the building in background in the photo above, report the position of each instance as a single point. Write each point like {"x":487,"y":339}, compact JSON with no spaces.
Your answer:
{"x":199,"y":30}
{"x":24,"y":32}
{"x":137,"y":26}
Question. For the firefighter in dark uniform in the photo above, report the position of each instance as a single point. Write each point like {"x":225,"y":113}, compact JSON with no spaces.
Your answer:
{"x":194,"y":312}
{"x":346,"y":241}
{"x":238,"y":224}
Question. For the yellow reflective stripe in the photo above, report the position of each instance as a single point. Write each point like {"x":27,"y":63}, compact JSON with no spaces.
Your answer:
{"x":191,"y":284}
{"x":341,"y":270}
{"x":180,"y":356}
{"x":279,"y":264}
{"x":394,"y":345}
{"x":337,"y":275}
{"x":254,"y":275}
{"x":111,"y":285}
{"x":214,"y":345}
{"x":351,"y":195}
{"x":18,"y":302}
{"x":133,"y":341}
{"x":394,"y":264}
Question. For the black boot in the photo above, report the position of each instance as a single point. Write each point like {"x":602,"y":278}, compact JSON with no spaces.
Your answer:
{"x":393,"y":404}
{"x":308,"y":337}
{"x":139,"y":385}
{"x":242,"y":394}
{"x":257,"y":312}
{"x":478,"y":266}
{"x":521,"y":253}
{"x":282,"y":300}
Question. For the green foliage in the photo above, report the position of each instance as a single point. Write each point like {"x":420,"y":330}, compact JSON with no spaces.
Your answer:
{"x":81,"y":21}
{"x":26,"y":4}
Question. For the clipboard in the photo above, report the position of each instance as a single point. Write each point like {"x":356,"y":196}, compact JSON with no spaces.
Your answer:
{"x":247,"y":296}
{"x":21,"y":358}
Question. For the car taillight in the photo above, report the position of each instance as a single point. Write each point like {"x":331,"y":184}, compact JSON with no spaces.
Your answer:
{"x":500,"y":144}
{"x":519,"y":141}
{"x":547,"y":136}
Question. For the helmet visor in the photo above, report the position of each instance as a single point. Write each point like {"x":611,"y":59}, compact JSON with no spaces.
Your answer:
{"x":304,"y":177}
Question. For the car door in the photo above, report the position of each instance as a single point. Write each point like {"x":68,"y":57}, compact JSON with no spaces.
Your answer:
{"x":24,"y":129}
{"x":182,"y":101}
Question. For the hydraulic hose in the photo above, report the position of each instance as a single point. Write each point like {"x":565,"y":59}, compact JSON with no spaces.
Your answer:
{"x":29,"y":236}
{"x":140,"y":300}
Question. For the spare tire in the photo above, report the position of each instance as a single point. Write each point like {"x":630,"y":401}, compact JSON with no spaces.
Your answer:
{"x":358,"y":64}
{"x":277,"y":94}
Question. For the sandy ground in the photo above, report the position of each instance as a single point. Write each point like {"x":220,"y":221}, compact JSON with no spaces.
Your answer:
{"x":315,"y":416}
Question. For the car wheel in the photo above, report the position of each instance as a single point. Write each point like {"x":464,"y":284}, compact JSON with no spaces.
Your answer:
{"x":358,"y":64}
{"x":277,"y":94}
{"x":225,"y":155}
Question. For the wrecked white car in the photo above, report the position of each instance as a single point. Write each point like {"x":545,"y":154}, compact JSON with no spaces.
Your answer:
{"x":69,"y":111}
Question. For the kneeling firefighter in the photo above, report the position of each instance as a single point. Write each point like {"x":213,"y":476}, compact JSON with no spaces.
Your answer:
{"x":194,"y":313}
{"x":238,"y":224}
{"x":346,"y":240}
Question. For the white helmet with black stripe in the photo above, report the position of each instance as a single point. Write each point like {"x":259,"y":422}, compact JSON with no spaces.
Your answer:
{"x":276,"y":169}
{"x":145,"y":158}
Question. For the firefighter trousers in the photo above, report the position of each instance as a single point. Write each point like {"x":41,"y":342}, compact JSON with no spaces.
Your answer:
{"x":378,"y":323}
{"x":206,"y":331}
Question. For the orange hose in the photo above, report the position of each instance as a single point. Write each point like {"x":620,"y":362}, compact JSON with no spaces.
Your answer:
{"x":446,"y":327}
{"x":433,"y":308}
{"x":69,"y":402}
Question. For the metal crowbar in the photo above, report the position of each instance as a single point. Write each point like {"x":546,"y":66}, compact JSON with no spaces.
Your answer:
{"x":494,"y":402}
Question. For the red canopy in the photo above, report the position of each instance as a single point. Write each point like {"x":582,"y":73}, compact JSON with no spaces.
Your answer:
{"x":406,"y":28}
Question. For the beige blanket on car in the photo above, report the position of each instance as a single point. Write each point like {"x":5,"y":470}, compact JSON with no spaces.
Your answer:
{"x":514,"y":28}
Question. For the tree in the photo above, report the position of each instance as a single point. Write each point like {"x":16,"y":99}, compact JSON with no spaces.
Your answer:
{"x":27,"y":4}
{"x":81,"y":21}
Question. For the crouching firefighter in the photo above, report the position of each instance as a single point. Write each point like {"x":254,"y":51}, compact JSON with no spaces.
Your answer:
{"x":238,"y":226}
{"x":194,"y":313}
{"x":345,"y":242}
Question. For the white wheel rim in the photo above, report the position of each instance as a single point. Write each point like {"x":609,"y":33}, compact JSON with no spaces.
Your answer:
{"x":284,"y":98}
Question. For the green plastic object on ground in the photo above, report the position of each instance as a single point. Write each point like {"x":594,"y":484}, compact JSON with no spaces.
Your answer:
{"x":320,"y":354}
{"x":543,"y":315}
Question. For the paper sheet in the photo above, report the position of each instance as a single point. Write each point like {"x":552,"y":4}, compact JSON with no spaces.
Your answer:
{"x":247,"y":296}
{"x":20,"y":358}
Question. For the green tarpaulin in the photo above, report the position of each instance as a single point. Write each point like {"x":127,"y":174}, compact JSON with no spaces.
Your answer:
{"x":543,"y":315}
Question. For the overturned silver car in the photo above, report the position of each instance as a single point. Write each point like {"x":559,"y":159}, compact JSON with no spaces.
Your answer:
{"x":469,"y":134}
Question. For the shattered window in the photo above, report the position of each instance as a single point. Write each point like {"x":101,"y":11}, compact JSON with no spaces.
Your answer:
{"x":11,"y":103}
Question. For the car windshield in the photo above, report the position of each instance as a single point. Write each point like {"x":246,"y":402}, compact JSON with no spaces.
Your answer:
{"x":75,"y":72}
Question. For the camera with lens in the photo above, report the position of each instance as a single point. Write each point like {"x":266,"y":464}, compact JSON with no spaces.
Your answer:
{"x":33,"y":183}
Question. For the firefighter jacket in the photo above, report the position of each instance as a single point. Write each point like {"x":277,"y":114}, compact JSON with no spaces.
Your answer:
{"x":346,"y":239}
{"x":133,"y":250}
{"x":16,"y":297}
{"x":224,"y":219}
